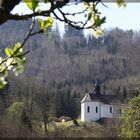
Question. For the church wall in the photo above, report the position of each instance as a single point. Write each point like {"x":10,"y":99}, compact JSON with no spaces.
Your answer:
{"x":90,"y":111}
{"x":106,"y":111}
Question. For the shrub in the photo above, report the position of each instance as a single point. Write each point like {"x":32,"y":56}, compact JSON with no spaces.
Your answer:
{"x":75,"y":122}
{"x":55,"y":119}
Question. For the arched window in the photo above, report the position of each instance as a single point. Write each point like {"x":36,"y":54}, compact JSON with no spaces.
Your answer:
{"x":88,"y":109}
{"x":96,"y":109}
{"x":110,"y":109}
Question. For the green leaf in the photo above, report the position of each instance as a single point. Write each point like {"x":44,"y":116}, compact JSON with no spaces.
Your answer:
{"x":23,"y":61}
{"x":99,"y":21}
{"x":103,"y":20}
{"x":90,"y":15}
{"x":48,"y":23}
{"x":9,"y":52}
{"x":41,"y":22}
{"x":121,"y":3}
{"x":2,"y":82}
{"x":32,"y":4}
{"x":17,"y":48}
{"x":45,"y":24}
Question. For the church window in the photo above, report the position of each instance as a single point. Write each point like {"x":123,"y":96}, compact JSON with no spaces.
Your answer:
{"x":88,"y":109}
{"x":111,"y":109}
{"x":96,"y":109}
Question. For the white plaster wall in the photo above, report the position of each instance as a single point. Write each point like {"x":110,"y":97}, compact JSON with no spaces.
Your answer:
{"x":92,"y":115}
{"x":105,"y":111}
{"x":82,"y":112}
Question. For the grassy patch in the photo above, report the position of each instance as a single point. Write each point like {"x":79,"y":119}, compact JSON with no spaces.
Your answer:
{"x":68,"y":129}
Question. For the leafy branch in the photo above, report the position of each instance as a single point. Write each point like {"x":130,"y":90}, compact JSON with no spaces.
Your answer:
{"x":15,"y":59}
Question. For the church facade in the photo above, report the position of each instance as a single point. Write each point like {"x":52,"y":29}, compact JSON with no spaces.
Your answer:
{"x":95,"y":106}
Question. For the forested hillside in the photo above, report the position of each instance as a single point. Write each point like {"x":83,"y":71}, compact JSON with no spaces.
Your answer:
{"x":76,"y":59}
{"x":61,"y":69}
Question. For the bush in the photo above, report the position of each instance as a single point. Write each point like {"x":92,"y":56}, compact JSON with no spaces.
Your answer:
{"x":15,"y":111}
{"x":75,"y":122}
{"x":55,"y":119}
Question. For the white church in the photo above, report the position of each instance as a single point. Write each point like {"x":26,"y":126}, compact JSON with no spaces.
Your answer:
{"x":95,"y":106}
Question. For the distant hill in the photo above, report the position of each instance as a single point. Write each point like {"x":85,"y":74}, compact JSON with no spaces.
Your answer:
{"x":77,"y":61}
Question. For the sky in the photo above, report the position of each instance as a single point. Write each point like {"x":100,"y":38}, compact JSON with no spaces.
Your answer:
{"x":125,"y":18}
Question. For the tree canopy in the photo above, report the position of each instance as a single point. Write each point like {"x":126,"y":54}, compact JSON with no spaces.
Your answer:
{"x":131,"y":120}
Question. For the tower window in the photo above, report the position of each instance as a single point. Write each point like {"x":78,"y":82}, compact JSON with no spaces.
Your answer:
{"x":111,"y":109}
{"x":96,"y":109}
{"x":88,"y":109}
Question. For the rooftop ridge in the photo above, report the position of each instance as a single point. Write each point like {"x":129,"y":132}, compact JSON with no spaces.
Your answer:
{"x":107,"y":99}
